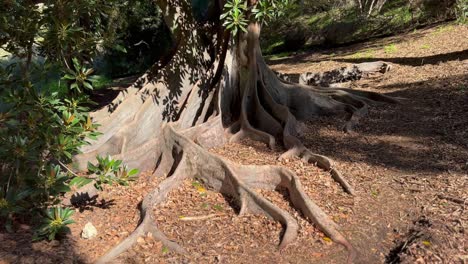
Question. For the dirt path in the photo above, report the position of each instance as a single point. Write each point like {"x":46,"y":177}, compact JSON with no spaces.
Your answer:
{"x":408,"y":164}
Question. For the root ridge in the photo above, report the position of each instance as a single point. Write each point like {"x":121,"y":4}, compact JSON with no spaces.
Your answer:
{"x":269,"y":110}
{"x":237,"y":181}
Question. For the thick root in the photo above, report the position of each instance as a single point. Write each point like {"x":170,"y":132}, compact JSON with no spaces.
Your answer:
{"x":237,"y":181}
{"x":293,"y":144}
{"x":250,"y":97}
{"x":345,"y":74}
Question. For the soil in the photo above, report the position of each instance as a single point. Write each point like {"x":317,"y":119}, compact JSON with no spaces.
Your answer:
{"x":408,"y":164}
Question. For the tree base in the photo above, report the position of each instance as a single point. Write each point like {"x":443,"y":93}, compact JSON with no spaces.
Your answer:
{"x":165,"y":124}
{"x":185,"y":160}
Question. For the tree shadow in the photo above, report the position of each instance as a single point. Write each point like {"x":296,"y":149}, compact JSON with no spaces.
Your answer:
{"x":188,"y":64}
{"x":19,"y":248}
{"x":85,"y":202}
{"x":428,"y":133}
{"x":414,"y":61}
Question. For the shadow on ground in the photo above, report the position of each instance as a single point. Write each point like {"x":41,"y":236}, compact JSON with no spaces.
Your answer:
{"x":427,"y":133}
{"x":414,"y":61}
{"x":19,"y":248}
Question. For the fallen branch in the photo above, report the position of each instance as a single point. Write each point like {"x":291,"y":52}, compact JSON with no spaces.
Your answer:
{"x":66,"y":168}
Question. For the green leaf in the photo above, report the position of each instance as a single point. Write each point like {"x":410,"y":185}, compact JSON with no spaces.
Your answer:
{"x":223,"y":16}
{"x":67,"y":154}
{"x":76,"y":64}
{"x":165,"y":250}
{"x":133,"y":172}
{"x":120,"y":48}
{"x":62,"y":189}
{"x":74,"y":86}
{"x":91,"y":166}
{"x":68,"y":77}
{"x":80,"y":181}
{"x":88,"y":86}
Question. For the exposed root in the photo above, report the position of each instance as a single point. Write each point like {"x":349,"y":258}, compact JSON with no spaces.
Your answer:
{"x":269,"y":110}
{"x":236,"y":181}
{"x":344,"y":74}
{"x":147,"y":224}
{"x":292,"y":143}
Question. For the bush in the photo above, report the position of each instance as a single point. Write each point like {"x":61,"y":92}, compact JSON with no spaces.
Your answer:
{"x":461,"y":11}
{"x":45,"y":84}
{"x":40,"y":133}
{"x":55,"y":223}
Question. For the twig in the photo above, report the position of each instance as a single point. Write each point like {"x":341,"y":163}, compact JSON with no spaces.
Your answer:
{"x":452,"y":199}
{"x":202,"y":217}
{"x":65,"y":167}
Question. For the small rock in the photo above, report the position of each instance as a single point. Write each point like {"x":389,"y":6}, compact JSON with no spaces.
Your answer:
{"x":89,"y":231}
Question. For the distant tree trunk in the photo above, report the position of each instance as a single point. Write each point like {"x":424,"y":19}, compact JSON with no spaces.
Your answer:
{"x":367,"y":7}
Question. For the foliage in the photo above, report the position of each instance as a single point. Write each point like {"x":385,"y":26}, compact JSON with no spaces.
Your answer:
{"x":11,"y":203}
{"x":59,"y":30}
{"x":44,"y":117}
{"x":237,"y":13}
{"x":267,"y":10}
{"x":79,"y":77}
{"x":55,"y":223}
{"x":109,"y":171}
{"x":143,"y":34}
{"x":39,"y":132}
{"x":391,"y":48}
{"x":336,"y":22}
{"x":461,"y":11}
{"x":234,"y":16}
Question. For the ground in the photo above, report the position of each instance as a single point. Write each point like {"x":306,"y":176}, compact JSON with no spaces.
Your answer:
{"x":408,"y":164}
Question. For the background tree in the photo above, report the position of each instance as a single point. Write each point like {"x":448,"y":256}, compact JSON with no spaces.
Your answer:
{"x":367,"y":7}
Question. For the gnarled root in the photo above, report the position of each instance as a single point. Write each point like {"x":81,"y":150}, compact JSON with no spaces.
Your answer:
{"x":274,"y":116}
{"x":250,"y":98}
{"x":331,"y":78}
{"x":236,"y":181}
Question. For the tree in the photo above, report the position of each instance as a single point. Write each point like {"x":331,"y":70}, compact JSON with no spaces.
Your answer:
{"x":367,"y":7}
{"x":215,"y":87}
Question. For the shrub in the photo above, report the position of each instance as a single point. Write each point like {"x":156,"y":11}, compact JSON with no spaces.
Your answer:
{"x":109,"y":171}
{"x":461,"y":11}
{"x":45,"y":83}
{"x":55,"y":223}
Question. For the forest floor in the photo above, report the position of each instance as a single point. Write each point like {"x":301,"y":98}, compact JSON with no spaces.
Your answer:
{"x":408,"y":164}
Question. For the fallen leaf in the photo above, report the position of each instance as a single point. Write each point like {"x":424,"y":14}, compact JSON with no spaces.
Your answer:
{"x":164,"y":250}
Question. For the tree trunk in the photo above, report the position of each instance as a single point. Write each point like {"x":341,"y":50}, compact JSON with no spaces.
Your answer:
{"x":212,"y":89}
